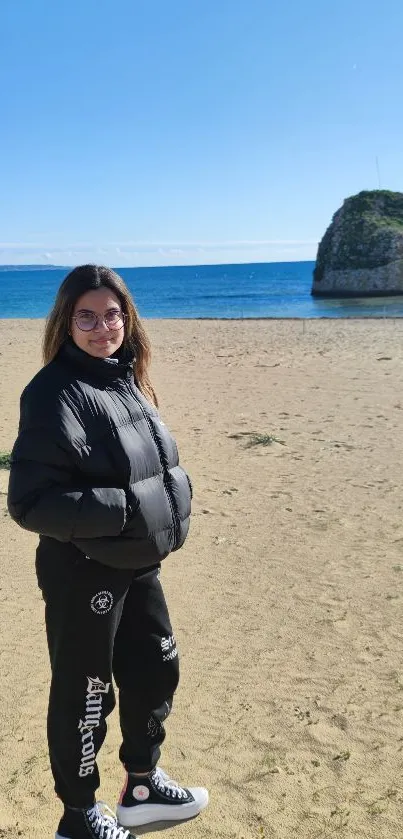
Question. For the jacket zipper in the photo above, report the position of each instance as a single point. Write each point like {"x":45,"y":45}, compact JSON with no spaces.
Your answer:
{"x":162,"y":458}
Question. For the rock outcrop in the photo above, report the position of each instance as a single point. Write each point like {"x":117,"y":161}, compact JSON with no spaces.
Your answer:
{"x":361,"y":253}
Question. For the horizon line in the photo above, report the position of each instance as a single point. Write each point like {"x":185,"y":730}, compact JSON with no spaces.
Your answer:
{"x":52,"y":265}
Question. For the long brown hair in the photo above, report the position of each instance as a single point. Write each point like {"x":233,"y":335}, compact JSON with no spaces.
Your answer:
{"x":87,"y":278}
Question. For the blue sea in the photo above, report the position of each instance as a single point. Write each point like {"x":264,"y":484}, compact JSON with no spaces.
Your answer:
{"x":259,"y":290}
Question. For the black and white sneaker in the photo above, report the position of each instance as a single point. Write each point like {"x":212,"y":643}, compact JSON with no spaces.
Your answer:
{"x":157,"y":798}
{"x":98,"y":822}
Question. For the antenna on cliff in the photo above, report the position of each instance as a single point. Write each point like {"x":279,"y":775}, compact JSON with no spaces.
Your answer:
{"x":377,"y":169}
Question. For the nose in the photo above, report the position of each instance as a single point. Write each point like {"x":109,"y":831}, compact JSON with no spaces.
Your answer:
{"x":101,"y":325}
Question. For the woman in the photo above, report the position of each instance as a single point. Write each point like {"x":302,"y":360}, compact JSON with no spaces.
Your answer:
{"x":95,"y":472}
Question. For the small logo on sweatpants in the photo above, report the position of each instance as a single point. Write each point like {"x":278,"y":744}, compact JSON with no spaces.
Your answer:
{"x":102,"y":602}
{"x":168,"y":646}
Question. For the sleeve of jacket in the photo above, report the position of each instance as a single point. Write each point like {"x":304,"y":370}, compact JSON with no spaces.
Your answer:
{"x":42,"y":494}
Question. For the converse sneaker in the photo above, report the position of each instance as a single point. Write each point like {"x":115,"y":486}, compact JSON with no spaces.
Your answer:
{"x":98,"y":822}
{"x":155,"y":797}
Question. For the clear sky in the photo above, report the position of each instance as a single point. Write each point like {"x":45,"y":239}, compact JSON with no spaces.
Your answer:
{"x":148,"y":132}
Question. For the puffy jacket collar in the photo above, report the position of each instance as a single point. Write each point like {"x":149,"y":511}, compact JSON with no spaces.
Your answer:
{"x":118,"y":367}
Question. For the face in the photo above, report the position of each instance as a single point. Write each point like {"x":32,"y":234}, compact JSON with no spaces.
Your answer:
{"x":101,"y":341}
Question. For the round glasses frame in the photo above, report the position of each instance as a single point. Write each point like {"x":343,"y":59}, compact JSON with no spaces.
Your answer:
{"x":97,"y":319}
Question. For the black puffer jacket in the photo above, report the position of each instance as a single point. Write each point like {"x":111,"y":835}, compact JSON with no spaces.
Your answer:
{"x":94,"y":465}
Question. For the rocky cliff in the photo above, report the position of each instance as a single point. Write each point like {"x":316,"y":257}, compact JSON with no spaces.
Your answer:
{"x":361,"y":253}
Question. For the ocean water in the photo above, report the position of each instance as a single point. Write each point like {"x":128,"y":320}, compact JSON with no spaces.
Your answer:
{"x":258,"y":290}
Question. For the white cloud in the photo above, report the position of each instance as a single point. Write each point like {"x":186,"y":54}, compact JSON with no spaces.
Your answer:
{"x":159,"y":253}
{"x":155,"y":246}
{"x":231,"y":244}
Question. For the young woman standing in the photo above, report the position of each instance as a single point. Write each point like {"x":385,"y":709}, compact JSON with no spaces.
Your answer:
{"x":96,"y":473}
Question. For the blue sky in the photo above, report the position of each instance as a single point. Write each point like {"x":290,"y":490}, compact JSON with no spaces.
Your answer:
{"x":142,"y":132}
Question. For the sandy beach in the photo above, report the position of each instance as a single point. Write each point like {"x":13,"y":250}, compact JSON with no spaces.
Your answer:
{"x":286,"y":599}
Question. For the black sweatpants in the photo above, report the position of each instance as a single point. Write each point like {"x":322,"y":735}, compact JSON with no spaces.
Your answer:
{"x":103,"y":622}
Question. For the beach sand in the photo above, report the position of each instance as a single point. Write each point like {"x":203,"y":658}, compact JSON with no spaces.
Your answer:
{"x":286,"y":599}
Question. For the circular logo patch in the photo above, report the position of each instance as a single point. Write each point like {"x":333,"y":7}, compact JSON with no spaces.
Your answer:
{"x":141,"y":793}
{"x":102,"y":602}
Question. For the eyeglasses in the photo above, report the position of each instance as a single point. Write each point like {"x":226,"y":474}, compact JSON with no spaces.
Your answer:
{"x":86,"y":320}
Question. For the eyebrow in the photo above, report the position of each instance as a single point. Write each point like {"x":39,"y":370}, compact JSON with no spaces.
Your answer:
{"x":91,"y":312}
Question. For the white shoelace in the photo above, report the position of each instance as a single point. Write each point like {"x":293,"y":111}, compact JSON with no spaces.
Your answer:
{"x":166,"y":784}
{"x":103,"y":821}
